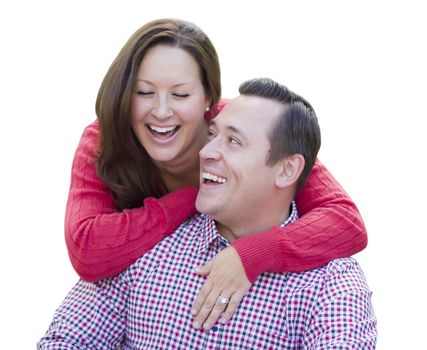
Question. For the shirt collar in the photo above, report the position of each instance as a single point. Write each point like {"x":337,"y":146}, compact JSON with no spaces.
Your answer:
{"x":293,"y":215}
{"x":209,"y":232}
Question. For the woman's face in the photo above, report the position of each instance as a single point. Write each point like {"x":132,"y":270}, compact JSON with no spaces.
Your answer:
{"x":168,"y":104}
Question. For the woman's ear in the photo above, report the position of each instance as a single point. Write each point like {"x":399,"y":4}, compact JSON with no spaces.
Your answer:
{"x":290,"y":169}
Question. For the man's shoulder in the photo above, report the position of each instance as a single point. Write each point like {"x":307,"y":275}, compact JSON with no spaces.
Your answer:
{"x":347,"y":274}
{"x":344,"y":267}
{"x":338,"y":276}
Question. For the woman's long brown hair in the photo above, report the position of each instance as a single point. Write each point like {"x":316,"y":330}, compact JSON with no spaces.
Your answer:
{"x":123,"y":163}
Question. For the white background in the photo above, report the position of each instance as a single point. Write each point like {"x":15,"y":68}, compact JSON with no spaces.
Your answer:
{"x":362,"y":64}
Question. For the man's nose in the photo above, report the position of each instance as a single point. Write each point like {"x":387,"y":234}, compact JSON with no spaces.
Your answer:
{"x":211,"y":150}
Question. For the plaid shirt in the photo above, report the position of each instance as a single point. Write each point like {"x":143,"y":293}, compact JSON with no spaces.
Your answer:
{"x":148,"y":305}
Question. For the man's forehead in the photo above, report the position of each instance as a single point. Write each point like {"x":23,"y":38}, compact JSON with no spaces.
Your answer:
{"x":253,"y":109}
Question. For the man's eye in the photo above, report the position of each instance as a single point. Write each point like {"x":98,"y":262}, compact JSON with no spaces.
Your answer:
{"x":211,"y":133}
{"x":234,"y":141}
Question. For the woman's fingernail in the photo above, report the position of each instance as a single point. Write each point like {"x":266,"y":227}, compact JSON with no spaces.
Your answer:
{"x":223,"y":320}
{"x":193,"y":312}
{"x":196,"y":324}
{"x":206,"y":326}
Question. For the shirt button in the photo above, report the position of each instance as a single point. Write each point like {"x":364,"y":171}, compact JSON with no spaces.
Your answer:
{"x":215,"y":328}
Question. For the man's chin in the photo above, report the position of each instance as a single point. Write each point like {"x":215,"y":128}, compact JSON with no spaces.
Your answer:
{"x":204,"y":206}
{"x":200,"y":205}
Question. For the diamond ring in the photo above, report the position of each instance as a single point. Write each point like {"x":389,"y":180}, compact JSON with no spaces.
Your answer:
{"x":223,"y":300}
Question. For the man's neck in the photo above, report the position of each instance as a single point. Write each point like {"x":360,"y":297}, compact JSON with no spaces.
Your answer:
{"x":233,"y":232}
{"x":225,"y":232}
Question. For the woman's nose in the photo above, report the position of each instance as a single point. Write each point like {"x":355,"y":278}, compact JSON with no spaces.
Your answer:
{"x":162,"y":109}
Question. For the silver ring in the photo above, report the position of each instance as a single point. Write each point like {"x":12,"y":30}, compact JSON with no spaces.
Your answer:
{"x":223,"y":300}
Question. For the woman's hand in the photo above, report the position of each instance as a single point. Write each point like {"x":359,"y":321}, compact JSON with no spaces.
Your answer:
{"x":226,"y":278}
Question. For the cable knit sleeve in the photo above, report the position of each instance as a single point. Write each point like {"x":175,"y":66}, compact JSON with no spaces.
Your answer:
{"x":101,"y":241}
{"x":330,"y":227}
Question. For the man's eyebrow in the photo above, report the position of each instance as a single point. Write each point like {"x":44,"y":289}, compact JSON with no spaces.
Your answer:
{"x":230,"y":128}
{"x":212,"y":123}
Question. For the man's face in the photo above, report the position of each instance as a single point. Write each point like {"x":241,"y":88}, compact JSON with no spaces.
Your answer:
{"x":236,"y":182}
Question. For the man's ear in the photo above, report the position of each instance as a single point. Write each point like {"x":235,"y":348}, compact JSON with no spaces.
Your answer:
{"x":290,"y":168}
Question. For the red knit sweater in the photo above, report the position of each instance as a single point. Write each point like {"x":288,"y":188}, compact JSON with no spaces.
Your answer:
{"x":102,"y":241}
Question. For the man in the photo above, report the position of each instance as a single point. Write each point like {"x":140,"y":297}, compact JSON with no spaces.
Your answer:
{"x":262,"y":147}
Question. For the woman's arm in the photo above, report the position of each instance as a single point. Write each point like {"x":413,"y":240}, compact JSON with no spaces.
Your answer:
{"x":330,"y":227}
{"x":101,"y":241}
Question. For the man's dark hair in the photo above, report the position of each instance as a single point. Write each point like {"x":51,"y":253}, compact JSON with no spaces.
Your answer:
{"x":296,"y":131}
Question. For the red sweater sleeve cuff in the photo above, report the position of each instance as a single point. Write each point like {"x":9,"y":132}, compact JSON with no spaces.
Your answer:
{"x":179,"y":205}
{"x":259,"y":253}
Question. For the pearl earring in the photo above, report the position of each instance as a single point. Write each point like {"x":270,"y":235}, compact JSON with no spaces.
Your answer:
{"x":207,"y":109}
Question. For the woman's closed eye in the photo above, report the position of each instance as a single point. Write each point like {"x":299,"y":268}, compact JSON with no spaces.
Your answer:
{"x":180,"y":95}
{"x":144,"y":93}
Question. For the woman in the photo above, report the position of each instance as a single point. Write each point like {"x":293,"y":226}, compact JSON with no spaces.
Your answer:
{"x":136,"y":168}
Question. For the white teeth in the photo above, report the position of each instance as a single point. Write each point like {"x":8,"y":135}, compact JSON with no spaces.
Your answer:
{"x":214,"y":178}
{"x":162,"y":130}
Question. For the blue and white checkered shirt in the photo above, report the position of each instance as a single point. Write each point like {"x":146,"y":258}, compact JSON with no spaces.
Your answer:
{"x":148,"y":305}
